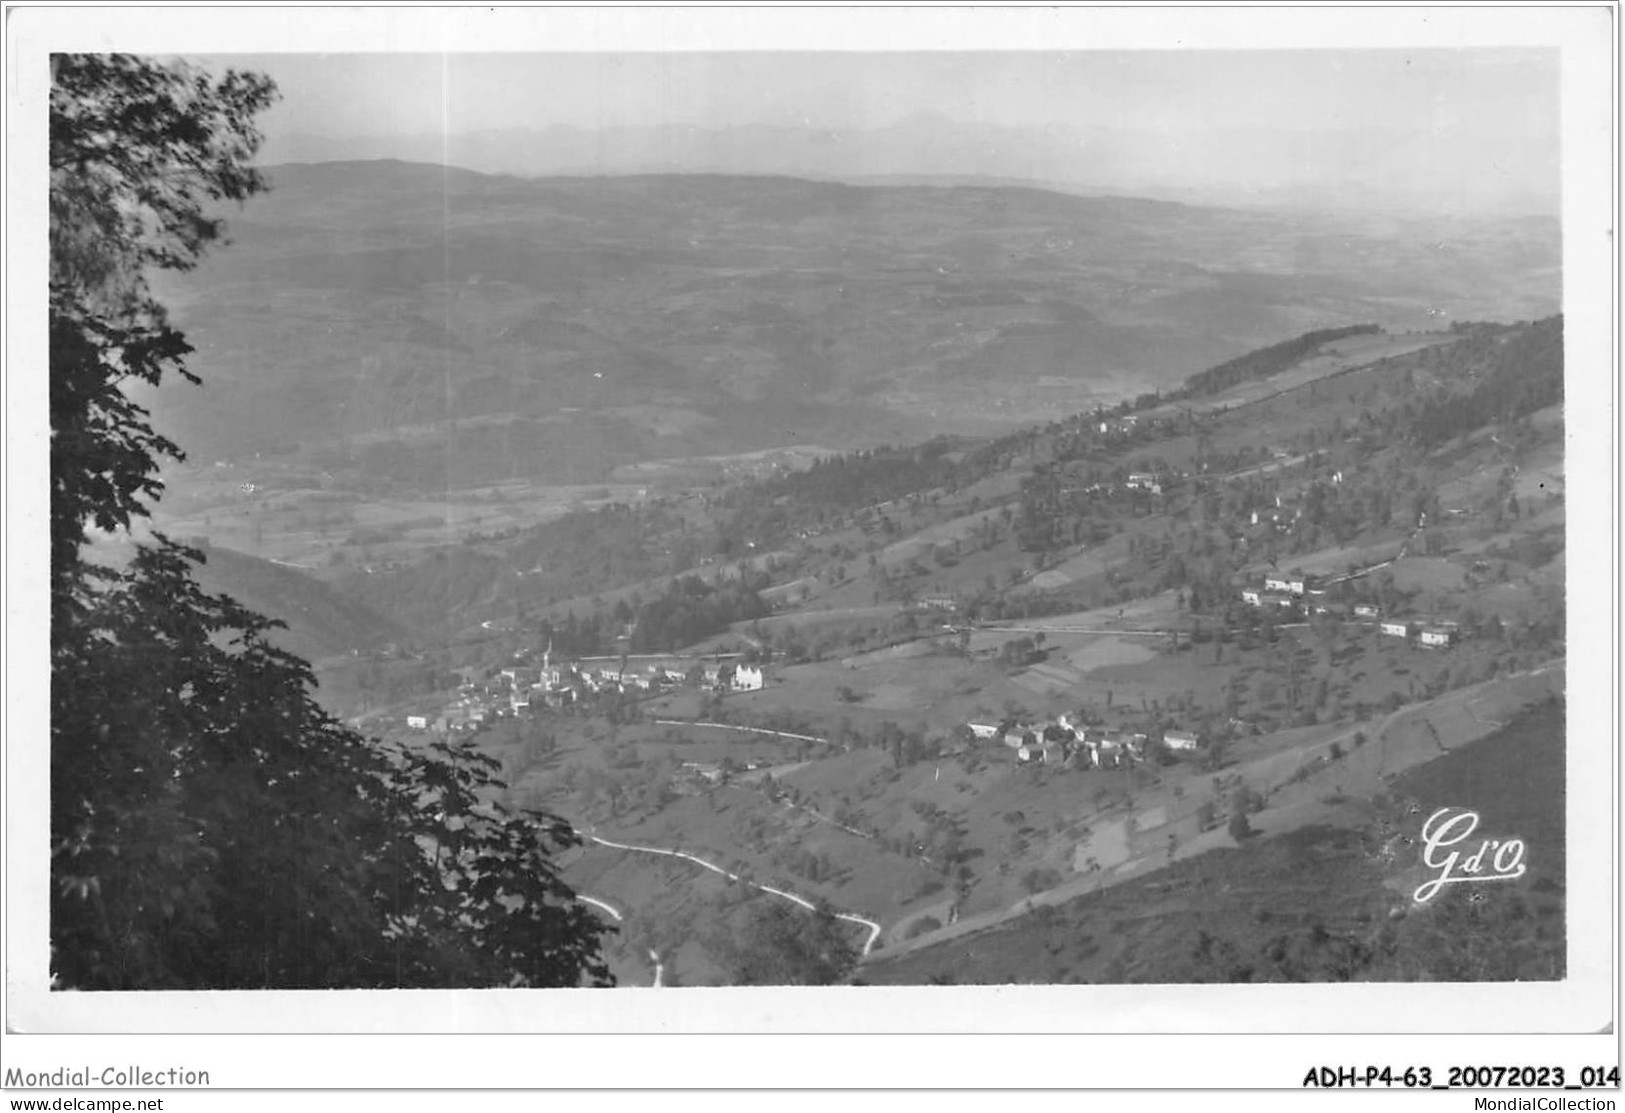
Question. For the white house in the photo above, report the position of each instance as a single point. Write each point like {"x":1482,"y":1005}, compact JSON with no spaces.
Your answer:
{"x":984,"y":732}
{"x":520,"y":677}
{"x":1440,"y":636}
{"x":1365,"y":610}
{"x":418,"y":722}
{"x":747,"y":678}
{"x":1396,"y":629}
{"x":1250,"y":595}
{"x":1179,"y":740}
{"x":1045,"y":753}
{"x":1277,"y":583}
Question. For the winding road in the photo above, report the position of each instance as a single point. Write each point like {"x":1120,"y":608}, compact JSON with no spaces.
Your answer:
{"x":615,"y":914}
{"x":735,"y":726}
{"x":874,"y":928}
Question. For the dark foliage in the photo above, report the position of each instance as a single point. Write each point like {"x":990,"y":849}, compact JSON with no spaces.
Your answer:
{"x":1522,"y":372}
{"x":782,"y":945}
{"x":1265,"y":362}
{"x":691,"y":610}
{"x":211,"y":826}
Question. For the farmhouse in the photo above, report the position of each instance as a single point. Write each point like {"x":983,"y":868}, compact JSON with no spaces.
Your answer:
{"x":747,"y":678}
{"x":418,"y":722}
{"x":1442,"y":637}
{"x":1366,"y":610}
{"x":1179,"y":740}
{"x":1019,"y":737}
{"x":1396,"y":629}
{"x":983,"y":731}
{"x":1110,"y":751}
{"x":711,"y":774}
{"x":1251,"y":595}
{"x":1044,"y":753}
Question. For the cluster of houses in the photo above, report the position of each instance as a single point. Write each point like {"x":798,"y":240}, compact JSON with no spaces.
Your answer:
{"x":1153,"y":483}
{"x":1290,"y":591}
{"x":1434,"y":634}
{"x":1064,"y":741}
{"x":1286,"y":591}
{"x":520,"y":688}
{"x":695,"y":776}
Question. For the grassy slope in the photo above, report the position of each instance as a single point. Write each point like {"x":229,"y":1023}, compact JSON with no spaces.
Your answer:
{"x":1311,"y":904}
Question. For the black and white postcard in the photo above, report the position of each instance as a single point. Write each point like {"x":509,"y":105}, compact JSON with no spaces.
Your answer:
{"x":650,"y":520}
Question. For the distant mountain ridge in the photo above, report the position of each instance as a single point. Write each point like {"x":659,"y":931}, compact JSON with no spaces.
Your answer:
{"x":1327,"y":168}
{"x":438,"y":327}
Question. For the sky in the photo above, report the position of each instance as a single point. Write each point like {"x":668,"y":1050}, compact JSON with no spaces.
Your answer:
{"x":1435,"y":129}
{"x":1488,"y":91}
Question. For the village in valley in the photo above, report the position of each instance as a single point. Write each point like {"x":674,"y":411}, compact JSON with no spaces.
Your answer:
{"x":1033,"y":669}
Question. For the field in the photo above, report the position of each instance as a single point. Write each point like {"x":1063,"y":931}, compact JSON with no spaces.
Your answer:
{"x":1316,"y":903}
{"x":320,"y":528}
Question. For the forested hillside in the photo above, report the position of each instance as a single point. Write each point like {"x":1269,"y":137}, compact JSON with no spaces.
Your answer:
{"x":1511,"y":375}
{"x":322,"y":621}
{"x":1264,"y":362}
{"x":1067,"y":482}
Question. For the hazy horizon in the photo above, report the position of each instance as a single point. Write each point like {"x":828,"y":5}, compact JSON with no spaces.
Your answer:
{"x":1470,"y":131}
